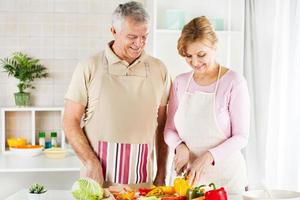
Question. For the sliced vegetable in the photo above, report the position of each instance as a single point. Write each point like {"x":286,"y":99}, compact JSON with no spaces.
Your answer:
{"x":174,"y":198}
{"x":144,"y":191}
{"x":157,"y":191}
{"x":148,"y":198}
{"x":169,"y":190}
{"x":28,"y":146}
{"x":130,"y":195}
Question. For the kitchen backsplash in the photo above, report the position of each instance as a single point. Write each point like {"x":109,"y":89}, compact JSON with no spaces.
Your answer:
{"x":59,"y":33}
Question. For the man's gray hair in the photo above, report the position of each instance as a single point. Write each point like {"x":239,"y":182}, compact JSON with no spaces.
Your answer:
{"x":132,"y":9}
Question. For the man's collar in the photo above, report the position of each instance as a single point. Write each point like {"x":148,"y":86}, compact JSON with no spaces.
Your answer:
{"x":112,"y":58}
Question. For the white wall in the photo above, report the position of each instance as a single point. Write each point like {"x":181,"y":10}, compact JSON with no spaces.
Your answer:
{"x":59,"y":33}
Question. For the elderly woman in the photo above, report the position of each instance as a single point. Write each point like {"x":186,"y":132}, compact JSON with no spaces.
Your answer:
{"x":208,"y":114}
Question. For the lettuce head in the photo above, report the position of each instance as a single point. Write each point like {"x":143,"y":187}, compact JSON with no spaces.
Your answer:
{"x":87,"y":189}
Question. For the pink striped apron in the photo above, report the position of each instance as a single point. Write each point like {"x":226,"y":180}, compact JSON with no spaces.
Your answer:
{"x":122,"y":128}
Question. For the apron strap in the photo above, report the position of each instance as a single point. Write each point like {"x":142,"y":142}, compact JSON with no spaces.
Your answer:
{"x":105,"y":62}
{"x":147,"y":69}
{"x":219,"y":74}
{"x":189,"y":81}
{"x":192,"y":74}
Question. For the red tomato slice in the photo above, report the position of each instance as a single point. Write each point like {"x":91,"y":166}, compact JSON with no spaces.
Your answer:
{"x":174,"y":198}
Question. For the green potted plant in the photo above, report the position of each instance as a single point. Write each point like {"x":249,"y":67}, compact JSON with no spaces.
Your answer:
{"x":36,"y":191}
{"x":26,"y":70}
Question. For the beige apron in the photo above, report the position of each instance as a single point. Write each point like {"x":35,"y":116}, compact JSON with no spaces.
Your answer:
{"x":196,"y":124}
{"x":122,"y":128}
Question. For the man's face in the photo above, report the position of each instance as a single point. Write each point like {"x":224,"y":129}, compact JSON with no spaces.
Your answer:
{"x":130,"y":40}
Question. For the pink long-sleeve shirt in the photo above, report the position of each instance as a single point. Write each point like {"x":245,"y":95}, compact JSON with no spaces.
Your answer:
{"x":232,"y":112}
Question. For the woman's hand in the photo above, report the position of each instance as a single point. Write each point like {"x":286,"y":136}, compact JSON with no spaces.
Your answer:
{"x":198,"y":167}
{"x":181,"y":157}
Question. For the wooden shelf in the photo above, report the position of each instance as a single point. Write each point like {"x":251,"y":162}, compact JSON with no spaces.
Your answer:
{"x":27,"y":122}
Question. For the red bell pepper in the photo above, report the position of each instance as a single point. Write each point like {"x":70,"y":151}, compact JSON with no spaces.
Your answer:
{"x":216,"y":194}
{"x":144,"y":191}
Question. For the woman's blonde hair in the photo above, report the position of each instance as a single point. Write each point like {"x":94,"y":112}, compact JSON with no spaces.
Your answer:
{"x":198,"y":29}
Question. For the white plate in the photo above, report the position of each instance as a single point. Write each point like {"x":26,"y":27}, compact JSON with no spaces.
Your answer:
{"x":26,"y":152}
{"x":275,"y":194}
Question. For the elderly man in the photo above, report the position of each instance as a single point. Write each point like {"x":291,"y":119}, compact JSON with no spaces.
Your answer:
{"x":115,"y":106}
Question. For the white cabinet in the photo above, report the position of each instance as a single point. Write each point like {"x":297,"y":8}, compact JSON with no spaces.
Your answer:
{"x":27,"y":122}
{"x":163,"y":40}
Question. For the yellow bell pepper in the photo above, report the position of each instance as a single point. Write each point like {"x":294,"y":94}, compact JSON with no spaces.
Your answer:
{"x":168,"y":189}
{"x":125,"y":196}
{"x":181,"y":185}
{"x":157,"y":192}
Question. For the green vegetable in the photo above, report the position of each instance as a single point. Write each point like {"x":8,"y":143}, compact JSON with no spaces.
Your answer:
{"x":87,"y":189}
{"x":195,"y":192}
{"x":37,"y":189}
{"x":198,"y":191}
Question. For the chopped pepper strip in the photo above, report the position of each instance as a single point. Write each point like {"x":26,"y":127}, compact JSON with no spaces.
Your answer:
{"x":157,"y":191}
{"x":144,"y":191}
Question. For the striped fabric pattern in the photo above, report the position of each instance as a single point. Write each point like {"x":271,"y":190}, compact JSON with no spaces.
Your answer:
{"x":124,"y":163}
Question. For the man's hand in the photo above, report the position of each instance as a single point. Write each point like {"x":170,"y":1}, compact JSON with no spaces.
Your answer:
{"x":181,"y":158}
{"x":161,"y":148}
{"x":159,"y":180}
{"x":94,"y":171}
{"x":73,"y":113}
{"x":199,"y":166}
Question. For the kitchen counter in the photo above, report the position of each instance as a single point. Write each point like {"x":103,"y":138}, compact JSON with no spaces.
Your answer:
{"x":50,"y":195}
{"x":40,"y":163}
{"x":66,"y":195}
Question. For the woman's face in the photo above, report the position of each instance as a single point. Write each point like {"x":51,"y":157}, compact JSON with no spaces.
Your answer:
{"x":200,"y":55}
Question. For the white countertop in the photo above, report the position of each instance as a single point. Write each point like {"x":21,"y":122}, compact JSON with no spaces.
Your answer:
{"x":49,"y":195}
{"x":14,"y":163}
{"x":66,"y":195}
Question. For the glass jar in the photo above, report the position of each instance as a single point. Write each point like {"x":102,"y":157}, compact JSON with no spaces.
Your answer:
{"x":42,"y":140}
{"x":53,"y":139}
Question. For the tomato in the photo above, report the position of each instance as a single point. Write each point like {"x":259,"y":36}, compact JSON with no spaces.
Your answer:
{"x":144,"y":191}
{"x":174,"y":198}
